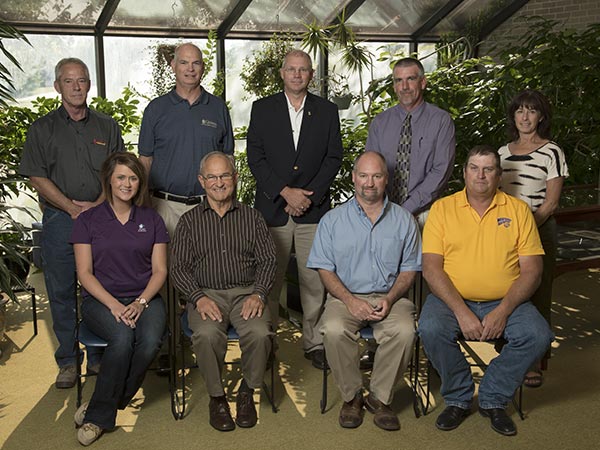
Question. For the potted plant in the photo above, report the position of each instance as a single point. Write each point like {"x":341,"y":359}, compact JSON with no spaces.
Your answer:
{"x":339,"y":37}
{"x":13,"y":247}
{"x":339,"y":90}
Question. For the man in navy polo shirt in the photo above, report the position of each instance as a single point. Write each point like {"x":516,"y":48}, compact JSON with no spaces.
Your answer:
{"x":178,"y":129}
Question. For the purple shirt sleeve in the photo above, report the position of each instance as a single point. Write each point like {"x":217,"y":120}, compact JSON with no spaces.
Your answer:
{"x":432,"y":151}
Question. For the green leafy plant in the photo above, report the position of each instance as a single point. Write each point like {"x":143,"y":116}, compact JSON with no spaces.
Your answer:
{"x":163,"y":78}
{"x":124,"y":110}
{"x":6,"y":83}
{"x":260,"y":71}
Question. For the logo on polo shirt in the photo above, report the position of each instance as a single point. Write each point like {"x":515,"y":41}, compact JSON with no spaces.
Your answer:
{"x":209,"y":123}
{"x":504,"y":221}
{"x":142,"y":228}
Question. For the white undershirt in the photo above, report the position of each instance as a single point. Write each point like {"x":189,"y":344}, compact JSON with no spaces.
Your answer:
{"x":295,"y":119}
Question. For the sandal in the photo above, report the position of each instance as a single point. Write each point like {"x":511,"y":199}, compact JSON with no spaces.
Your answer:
{"x":535,"y":380}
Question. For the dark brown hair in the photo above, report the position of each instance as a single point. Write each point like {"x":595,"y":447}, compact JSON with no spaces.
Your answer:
{"x":129,"y":160}
{"x":483,"y":150}
{"x":530,"y":99}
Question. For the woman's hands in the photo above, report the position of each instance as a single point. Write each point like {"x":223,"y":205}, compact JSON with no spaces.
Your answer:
{"x":129,"y":314}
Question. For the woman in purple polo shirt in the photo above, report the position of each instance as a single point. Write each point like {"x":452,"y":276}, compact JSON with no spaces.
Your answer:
{"x":121,"y":255}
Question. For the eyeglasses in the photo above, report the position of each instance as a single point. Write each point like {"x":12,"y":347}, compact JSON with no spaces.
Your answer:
{"x":301,"y":70}
{"x":213,"y":178}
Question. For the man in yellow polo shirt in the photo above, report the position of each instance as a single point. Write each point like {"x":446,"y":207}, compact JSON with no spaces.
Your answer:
{"x":482,"y":261}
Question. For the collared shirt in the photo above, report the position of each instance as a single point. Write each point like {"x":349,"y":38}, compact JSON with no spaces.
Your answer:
{"x":177,"y":135}
{"x":432,"y":150}
{"x":525,"y":176}
{"x":213,"y":252}
{"x":481,"y":254}
{"x":295,"y":119}
{"x":121,"y":253}
{"x":367,"y":257}
{"x":70,"y":153}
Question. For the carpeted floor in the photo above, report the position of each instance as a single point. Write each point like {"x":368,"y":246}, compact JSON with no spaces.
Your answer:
{"x":563,"y":414}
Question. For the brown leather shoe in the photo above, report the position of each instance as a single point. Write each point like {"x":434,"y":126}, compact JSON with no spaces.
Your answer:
{"x":246,"y":411}
{"x":351,"y":414}
{"x":384,"y":416}
{"x":220,"y":417}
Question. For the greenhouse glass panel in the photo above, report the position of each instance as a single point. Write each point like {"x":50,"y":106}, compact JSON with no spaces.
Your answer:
{"x":72,"y":12}
{"x":278,"y":15}
{"x":172,"y":13}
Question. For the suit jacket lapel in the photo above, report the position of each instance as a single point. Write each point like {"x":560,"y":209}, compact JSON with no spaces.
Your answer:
{"x":283,"y":115}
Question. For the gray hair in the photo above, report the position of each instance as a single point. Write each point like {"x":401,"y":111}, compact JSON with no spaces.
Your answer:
{"x":407,"y":62}
{"x":230,"y":159}
{"x":176,"y":52}
{"x":63,"y":62}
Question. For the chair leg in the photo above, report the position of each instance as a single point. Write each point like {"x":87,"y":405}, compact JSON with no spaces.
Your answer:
{"x":273,"y":363}
{"x":518,"y":402}
{"x":34,"y":312}
{"x":176,"y":389}
{"x":324,"y":394}
{"x":270,"y":392}
{"x":420,"y":407}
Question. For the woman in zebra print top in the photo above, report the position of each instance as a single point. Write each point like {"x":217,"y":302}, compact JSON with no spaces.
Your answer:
{"x":534,"y":169}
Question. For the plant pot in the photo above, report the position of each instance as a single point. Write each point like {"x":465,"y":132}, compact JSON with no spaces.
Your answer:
{"x":342,"y":102}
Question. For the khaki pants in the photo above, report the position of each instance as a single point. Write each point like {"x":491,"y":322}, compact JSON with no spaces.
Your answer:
{"x":395,"y":336}
{"x":312,"y":292}
{"x":209,"y":339}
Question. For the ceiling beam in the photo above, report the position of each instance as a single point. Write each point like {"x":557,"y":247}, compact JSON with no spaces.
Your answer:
{"x":436,"y":18}
{"x":106,"y":15}
{"x":349,"y":9}
{"x":500,"y":17}
{"x":232,"y":18}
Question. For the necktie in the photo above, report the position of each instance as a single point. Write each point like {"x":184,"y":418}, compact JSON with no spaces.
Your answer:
{"x":401,"y":174}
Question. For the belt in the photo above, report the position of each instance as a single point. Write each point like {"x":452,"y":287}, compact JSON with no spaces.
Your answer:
{"x":179,"y":198}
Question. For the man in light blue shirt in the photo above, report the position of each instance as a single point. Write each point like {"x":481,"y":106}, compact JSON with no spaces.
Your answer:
{"x":368,"y":252}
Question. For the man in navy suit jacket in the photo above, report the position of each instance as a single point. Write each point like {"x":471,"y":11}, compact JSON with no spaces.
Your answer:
{"x":294,"y":151}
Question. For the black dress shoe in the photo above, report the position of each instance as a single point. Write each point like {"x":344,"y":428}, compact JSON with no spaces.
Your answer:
{"x":317,"y":358}
{"x":451,"y":418}
{"x":500,"y":421}
{"x":245,"y":416}
{"x":220,"y":417}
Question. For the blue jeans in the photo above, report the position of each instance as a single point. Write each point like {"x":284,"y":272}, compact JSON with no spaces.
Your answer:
{"x":528,"y":337}
{"x":129,"y":353}
{"x":58,"y":263}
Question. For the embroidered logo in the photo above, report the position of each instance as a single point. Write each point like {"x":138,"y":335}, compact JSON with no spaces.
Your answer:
{"x":504,"y":221}
{"x":99,"y":142}
{"x":142,"y":228}
{"x":208,"y":123}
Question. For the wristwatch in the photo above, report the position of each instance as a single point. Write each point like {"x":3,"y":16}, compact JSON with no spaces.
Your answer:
{"x":142,"y":301}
